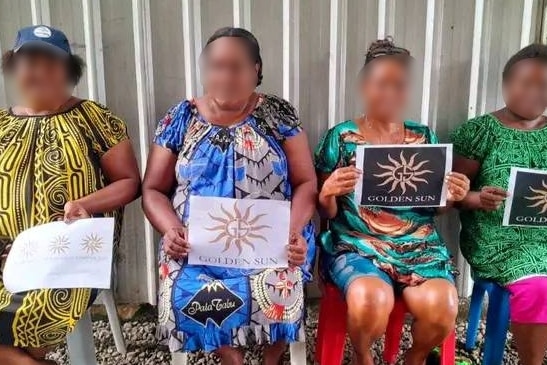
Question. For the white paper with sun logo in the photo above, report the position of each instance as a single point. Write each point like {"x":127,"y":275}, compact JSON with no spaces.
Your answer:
{"x":238,"y":233}
{"x":410,"y":175}
{"x":59,"y":255}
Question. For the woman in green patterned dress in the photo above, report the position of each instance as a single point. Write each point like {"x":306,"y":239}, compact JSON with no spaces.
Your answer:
{"x":372,"y":253}
{"x":488,"y":146}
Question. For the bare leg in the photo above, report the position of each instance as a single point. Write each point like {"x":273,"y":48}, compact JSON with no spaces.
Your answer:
{"x":15,"y":356}
{"x":370,"y":301}
{"x":230,"y":355}
{"x":531,"y":341}
{"x":434,"y":306}
{"x":273,"y":353}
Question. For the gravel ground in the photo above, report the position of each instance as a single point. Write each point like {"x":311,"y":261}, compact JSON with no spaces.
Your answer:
{"x":143,"y":349}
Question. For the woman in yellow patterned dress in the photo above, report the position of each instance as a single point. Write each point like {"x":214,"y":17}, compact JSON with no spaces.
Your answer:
{"x":60,"y":158}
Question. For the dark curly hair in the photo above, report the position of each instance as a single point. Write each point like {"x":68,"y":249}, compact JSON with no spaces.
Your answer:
{"x":535,"y":51}
{"x":248,"y":40}
{"x":74,"y":64}
{"x":387,"y":48}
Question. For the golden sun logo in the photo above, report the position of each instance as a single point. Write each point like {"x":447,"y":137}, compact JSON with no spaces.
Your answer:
{"x":539,"y":199}
{"x":237,"y":229}
{"x":92,"y":243}
{"x":59,"y":245}
{"x":403,"y":173}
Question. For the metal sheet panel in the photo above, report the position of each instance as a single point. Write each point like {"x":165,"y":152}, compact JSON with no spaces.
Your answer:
{"x":312,"y":51}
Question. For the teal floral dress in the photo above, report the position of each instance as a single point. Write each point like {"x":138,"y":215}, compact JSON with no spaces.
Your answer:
{"x":401,"y":242}
{"x":504,"y":254}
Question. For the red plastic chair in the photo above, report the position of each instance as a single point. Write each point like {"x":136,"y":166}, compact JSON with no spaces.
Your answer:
{"x":331,"y":331}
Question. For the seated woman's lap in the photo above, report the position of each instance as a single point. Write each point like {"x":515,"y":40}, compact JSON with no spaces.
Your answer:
{"x":346,"y":268}
{"x":528,"y":300}
{"x":217,"y":307}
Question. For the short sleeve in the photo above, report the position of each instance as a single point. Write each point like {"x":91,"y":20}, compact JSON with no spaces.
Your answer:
{"x":171,"y":128}
{"x":107,"y":129}
{"x":471,"y":140}
{"x":280,"y":117}
{"x":328,"y":154}
{"x":432,"y":137}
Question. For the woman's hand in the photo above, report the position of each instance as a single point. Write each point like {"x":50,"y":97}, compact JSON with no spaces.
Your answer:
{"x":74,"y":211}
{"x":457,"y":185}
{"x":298,"y":248}
{"x":491,"y":197}
{"x":341,"y":182}
{"x":175,"y":243}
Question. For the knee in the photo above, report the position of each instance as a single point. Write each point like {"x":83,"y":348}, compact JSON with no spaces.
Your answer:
{"x":369,"y":298}
{"x":439,"y":308}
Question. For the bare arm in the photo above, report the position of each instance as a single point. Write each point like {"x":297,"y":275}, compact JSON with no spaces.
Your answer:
{"x":488,"y":198}
{"x":159,"y":179}
{"x":122,"y":172}
{"x":327,"y":203}
{"x":302,"y":179}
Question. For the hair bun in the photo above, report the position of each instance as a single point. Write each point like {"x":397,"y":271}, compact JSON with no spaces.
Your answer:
{"x":382,"y":44}
{"x":385,"y":47}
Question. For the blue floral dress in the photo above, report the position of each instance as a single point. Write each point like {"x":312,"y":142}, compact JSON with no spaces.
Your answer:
{"x":206,"y":307}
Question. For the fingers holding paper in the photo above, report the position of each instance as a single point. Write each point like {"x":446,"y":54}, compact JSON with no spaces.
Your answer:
{"x":457,"y":186}
{"x":175,"y":243}
{"x":75,"y":211}
{"x":298,"y":249}
{"x":491,"y":197}
{"x":342,"y":181}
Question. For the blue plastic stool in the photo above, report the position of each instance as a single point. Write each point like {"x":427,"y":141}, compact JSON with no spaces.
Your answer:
{"x":497,"y":320}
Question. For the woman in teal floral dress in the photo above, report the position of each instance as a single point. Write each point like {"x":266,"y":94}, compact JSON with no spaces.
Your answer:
{"x":373,"y":253}
{"x":488,"y":146}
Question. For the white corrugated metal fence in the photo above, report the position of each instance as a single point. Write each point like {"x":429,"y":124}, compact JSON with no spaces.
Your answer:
{"x":142,"y":57}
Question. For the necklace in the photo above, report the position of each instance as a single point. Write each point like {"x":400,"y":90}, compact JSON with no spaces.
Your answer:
{"x":397,"y":136}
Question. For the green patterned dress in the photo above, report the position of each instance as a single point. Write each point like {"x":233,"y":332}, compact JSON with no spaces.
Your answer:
{"x":402,"y":242}
{"x":504,"y":254}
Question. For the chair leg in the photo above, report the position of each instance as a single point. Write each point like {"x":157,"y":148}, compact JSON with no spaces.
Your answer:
{"x":179,"y":358}
{"x":394,"y":332}
{"x":331,"y":333}
{"x":298,"y":353}
{"x":474,"y":316}
{"x":81,"y":349}
{"x":497,"y":325}
{"x":448,"y":349}
{"x":107,"y":297}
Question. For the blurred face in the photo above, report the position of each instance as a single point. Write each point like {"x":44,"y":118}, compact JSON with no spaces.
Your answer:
{"x":385,"y":88}
{"x":40,"y":76}
{"x":525,"y":89}
{"x":229,"y":72}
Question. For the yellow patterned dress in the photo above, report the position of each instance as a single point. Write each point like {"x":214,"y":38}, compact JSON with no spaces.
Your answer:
{"x":46,"y":161}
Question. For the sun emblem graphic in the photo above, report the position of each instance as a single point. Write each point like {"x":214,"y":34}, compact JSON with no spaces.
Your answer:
{"x":92,"y":243}
{"x":238,"y":229}
{"x":403,"y":173}
{"x":59,"y":245}
{"x":27,"y":249}
{"x":539,"y":199}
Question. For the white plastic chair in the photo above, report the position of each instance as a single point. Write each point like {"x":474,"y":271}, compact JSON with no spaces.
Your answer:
{"x":81,"y":349}
{"x":297,"y":350}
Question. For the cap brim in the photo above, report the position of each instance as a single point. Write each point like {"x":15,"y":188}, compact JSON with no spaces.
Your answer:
{"x":41,"y":45}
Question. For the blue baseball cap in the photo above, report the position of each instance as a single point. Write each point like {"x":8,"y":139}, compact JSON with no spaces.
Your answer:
{"x":44,"y":37}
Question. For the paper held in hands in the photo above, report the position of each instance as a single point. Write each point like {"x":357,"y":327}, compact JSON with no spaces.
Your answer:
{"x":403,"y":175}
{"x":59,"y":255}
{"x":526,"y":205}
{"x":238,"y":233}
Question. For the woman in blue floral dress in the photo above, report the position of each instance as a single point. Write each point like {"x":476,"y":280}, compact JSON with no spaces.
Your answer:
{"x":235,"y":143}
